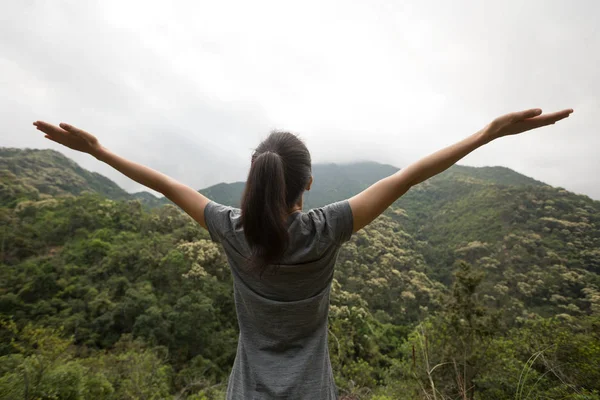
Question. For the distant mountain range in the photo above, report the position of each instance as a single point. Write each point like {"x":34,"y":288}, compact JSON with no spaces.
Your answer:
{"x":460,"y":205}
{"x":30,"y":173}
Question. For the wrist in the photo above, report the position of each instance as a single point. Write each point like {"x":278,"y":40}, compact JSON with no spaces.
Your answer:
{"x":99,"y":152}
{"x":485,"y":135}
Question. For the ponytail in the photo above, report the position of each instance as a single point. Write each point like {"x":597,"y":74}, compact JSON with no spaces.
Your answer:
{"x":279,"y":174}
{"x":264,"y":209}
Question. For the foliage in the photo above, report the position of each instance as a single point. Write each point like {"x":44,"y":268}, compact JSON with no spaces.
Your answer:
{"x":480,"y":283}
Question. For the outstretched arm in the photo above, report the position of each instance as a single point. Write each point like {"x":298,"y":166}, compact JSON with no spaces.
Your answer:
{"x":188,"y":199}
{"x":370,"y":203}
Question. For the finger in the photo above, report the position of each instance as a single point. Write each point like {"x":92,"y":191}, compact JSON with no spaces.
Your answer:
{"x":66,"y":126}
{"x":526,"y":114}
{"x":49,"y":128}
{"x":561,"y":114}
{"x":49,"y":137}
{"x":546,"y":119}
{"x":551,"y":118}
{"x":69,"y":128}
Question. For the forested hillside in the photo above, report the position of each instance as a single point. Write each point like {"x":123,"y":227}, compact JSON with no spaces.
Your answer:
{"x":480,"y":283}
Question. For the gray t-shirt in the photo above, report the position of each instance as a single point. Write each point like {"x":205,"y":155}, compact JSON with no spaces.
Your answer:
{"x":282,"y":349}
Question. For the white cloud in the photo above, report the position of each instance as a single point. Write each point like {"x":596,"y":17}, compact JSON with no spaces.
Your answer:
{"x":191,"y":87}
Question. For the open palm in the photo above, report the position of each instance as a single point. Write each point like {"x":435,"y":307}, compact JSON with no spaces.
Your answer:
{"x":69,"y":136}
{"x":521,"y":121}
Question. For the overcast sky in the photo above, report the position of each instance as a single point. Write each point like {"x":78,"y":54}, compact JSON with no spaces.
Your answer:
{"x":191,"y":87}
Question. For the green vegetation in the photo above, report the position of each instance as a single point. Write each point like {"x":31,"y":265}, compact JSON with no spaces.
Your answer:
{"x":480,"y":283}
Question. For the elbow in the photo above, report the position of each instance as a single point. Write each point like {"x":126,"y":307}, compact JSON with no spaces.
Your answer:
{"x":163,"y":186}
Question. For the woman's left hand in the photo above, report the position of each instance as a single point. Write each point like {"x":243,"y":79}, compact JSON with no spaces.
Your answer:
{"x":522,"y":121}
{"x":69,"y":136}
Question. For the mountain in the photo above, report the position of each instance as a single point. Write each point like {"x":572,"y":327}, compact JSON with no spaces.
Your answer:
{"x":225,"y":193}
{"x":482,"y":267}
{"x":149,"y":199}
{"x":30,"y":173}
{"x":334,"y":182}
{"x":459,"y":206}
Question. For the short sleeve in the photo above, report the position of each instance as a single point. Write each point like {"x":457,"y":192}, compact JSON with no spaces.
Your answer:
{"x":339,"y":220}
{"x":218,"y":220}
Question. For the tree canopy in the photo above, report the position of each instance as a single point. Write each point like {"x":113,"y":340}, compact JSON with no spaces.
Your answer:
{"x":480,"y":283}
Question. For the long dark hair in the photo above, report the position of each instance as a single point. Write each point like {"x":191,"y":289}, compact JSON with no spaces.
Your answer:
{"x":279,"y":173}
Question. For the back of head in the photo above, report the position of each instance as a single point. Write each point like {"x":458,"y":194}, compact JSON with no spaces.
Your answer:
{"x":279,"y":173}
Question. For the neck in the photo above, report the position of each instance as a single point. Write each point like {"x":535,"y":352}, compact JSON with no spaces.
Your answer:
{"x":297,"y":207}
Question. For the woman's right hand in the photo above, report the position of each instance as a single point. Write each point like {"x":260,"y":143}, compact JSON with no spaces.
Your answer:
{"x":518,"y":122}
{"x":69,"y":136}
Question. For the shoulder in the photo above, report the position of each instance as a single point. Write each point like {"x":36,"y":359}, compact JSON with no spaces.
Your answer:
{"x":220,"y":219}
{"x":335,"y":220}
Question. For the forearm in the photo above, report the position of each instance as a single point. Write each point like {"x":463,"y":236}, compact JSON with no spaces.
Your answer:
{"x":371,"y":202}
{"x":146,"y":176}
{"x":441,"y":160}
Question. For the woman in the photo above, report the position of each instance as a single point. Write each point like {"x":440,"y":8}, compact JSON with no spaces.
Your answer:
{"x":282,"y":259}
